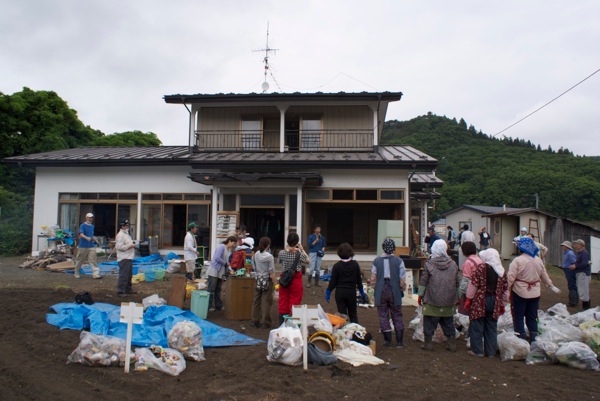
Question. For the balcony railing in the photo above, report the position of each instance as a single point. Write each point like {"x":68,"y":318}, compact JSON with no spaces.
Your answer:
{"x":295,"y":141}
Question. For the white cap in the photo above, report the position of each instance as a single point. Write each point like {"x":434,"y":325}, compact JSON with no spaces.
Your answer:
{"x":524,"y":229}
{"x":89,"y":215}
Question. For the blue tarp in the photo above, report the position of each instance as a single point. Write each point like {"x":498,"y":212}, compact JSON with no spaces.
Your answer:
{"x":140,"y":265}
{"x":101,"y":318}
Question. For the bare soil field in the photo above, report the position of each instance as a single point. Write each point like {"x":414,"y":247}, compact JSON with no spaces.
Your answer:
{"x":34,"y":353}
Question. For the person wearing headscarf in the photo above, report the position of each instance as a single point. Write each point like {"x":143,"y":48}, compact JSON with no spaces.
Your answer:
{"x":438,"y":294}
{"x":525,"y":273}
{"x":388,"y":276}
{"x":345,"y":280}
{"x":569,"y":259}
{"x":487,"y":296}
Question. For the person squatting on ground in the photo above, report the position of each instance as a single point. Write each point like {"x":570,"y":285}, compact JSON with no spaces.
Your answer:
{"x":388,"y":276}
{"x":216,"y":272}
{"x":316,"y":250}
{"x":125,"y":254}
{"x":583,"y":273}
{"x":190,"y":250}
{"x":346,"y":279}
{"x":86,"y":251}
{"x":525,"y":273}
{"x":438,"y":294}
{"x":487,"y":296}
{"x":264,"y":266}
{"x":569,"y":259}
{"x":291,"y":295}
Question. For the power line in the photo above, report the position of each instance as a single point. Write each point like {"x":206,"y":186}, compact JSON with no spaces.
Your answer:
{"x":541,"y":107}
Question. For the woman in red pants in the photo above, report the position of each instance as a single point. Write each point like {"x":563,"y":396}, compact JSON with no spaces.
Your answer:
{"x":291,"y":295}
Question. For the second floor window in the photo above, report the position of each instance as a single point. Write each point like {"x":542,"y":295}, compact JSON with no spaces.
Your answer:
{"x":251,"y":133}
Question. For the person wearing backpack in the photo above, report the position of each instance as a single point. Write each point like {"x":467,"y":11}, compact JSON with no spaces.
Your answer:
{"x":451,"y":238}
{"x":487,"y":296}
{"x":264,"y":266}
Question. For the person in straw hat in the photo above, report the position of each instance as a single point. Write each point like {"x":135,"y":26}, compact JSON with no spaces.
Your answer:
{"x":583,"y":273}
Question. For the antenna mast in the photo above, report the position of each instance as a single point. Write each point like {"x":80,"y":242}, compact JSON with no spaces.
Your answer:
{"x":268,"y":51}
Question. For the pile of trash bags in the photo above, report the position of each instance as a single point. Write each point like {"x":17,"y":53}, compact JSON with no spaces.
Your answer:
{"x":572,"y":340}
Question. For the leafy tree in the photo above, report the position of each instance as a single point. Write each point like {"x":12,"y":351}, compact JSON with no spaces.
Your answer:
{"x":129,"y":138}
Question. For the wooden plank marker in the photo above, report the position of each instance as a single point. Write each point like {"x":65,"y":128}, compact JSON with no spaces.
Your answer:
{"x":307,"y":315}
{"x":131,"y":313}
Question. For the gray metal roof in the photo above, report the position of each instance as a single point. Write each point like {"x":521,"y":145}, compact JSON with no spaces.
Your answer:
{"x":311,"y":178}
{"x":283,"y":97}
{"x":482,"y":209}
{"x":383,"y":157}
{"x":425,"y":180}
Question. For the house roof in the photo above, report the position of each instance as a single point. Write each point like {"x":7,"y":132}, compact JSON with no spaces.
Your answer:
{"x":482,"y":209}
{"x":381,"y":157}
{"x":296,"y":97}
{"x":517,"y":211}
{"x":310,"y":178}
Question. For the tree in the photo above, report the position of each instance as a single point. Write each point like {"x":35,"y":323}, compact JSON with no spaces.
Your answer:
{"x":129,"y":138}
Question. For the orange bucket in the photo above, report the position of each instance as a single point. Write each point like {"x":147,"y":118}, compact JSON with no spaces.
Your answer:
{"x":336,"y":320}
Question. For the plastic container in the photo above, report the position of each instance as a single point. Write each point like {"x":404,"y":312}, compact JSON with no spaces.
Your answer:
{"x":160,"y":274}
{"x":335,"y":320}
{"x":199,"y":303}
{"x":150,"y":276}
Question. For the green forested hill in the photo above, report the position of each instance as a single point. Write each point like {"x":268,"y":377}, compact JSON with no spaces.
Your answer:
{"x":477,"y":169}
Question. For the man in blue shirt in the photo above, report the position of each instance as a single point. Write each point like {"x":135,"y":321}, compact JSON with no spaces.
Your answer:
{"x":432,"y":237}
{"x":569,"y":259}
{"x":86,"y":251}
{"x":316,"y":250}
{"x":583,"y":273}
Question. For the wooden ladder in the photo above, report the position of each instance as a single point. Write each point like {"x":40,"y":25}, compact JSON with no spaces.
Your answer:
{"x":533,"y":225}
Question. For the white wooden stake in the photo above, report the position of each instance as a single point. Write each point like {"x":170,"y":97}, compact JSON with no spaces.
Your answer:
{"x":305,"y":336}
{"x":131,"y":313}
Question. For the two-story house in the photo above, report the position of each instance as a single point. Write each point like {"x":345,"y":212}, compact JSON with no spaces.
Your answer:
{"x":277,"y":163}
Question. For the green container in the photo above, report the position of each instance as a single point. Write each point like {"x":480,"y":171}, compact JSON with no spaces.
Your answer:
{"x":160,"y":274}
{"x":199,"y":304}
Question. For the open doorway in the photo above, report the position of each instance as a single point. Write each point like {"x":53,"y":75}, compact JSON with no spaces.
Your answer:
{"x":174,"y":224}
{"x":264,"y":222}
{"x":292,"y":133}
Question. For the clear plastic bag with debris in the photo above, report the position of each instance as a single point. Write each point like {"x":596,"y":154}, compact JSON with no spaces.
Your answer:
{"x":578,"y":355}
{"x":285,"y":344}
{"x":186,"y":337}
{"x":167,"y":360}
{"x":153,"y":300}
{"x":512,"y":348}
{"x":542,"y":353}
{"x":98,"y":350}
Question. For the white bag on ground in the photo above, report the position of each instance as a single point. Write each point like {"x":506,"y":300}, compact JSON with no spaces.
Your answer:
{"x":99,"y":350}
{"x":169,"y":360}
{"x":559,"y":331}
{"x":323,"y":324}
{"x":505,"y":321}
{"x":559,"y":310}
{"x":153,"y":300}
{"x":417,"y":325}
{"x":585,"y":316}
{"x":542,"y":353}
{"x":285,"y":344}
{"x":186,"y":337}
{"x":578,"y":355}
{"x":512,"y":348}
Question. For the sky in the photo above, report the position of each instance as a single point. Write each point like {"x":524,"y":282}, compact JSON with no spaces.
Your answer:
{"x":491,"y":63}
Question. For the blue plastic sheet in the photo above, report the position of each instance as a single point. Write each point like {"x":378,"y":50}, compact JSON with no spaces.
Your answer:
{"x":103,"y":319}
{"x":140,"y":265}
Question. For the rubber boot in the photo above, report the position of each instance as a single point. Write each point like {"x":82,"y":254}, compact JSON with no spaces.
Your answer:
{"x":189,"y":277}
{"x":428,"y":346}
{"x":400,"y":338}
{"x":586,"y":305}
{"x":281,"y":319}
{"x":308,"y":282}
{"x":451,"y":344}
{"x":387,"y":339}
{"x":573,"y":298}
{"x":317,"y":281}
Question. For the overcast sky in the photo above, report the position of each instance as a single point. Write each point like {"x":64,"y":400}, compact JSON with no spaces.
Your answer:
{"x":490,"y":63}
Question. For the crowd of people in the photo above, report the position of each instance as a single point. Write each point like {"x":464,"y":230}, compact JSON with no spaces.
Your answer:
{"x":478,"y":286}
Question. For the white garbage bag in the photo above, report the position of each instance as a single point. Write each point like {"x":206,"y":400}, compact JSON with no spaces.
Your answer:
{"x":512,"y":348}
{"x":285,"y":344}
{"x":578,"y":355}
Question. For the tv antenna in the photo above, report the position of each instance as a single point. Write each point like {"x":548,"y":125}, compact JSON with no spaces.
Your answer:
{"x":268,"y":51}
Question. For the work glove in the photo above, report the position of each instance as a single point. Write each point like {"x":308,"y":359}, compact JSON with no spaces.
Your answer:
{"x":468,"y":303}
{"x":502,"y":310}
{"x":420,"y":300}
{"x":327,"y":295}
{"x":363,"y":296}
{"x":555,"y":290}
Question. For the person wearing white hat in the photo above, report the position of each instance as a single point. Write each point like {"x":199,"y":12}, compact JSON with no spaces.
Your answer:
{"x":569,"y":259}
{"x":125,"y":254}
{"x":86,"y":251}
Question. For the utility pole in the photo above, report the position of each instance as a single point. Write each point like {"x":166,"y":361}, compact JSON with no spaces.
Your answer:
{"x":537,"y":200}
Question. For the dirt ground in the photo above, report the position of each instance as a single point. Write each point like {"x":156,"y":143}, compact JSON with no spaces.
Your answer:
{"x":34,"y":353}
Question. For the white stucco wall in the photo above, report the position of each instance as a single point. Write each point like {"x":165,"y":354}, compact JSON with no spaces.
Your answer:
{"x":366,"y":179}
{"x":50,"y":181}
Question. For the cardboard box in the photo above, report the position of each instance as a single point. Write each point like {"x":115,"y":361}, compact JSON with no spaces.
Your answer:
{"x":373,"y":346}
